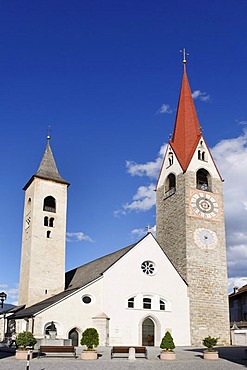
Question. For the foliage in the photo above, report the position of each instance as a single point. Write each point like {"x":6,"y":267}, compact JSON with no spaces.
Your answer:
{"x":210,"y":342}
{"x":90,"y":338}
{"x":167,"y":342}
{"x":25,"y":339}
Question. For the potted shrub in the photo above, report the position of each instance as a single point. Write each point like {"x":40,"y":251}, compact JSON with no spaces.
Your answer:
{"x":210,"y":353}
{"x":24,"y":341}
{"x":167,"y":345}
{"x":90,"y":338}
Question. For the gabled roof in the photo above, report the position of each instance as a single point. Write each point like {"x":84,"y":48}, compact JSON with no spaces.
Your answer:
{"x":187,"y":131}
{"x":76,"y":279}
{"x":80,"y":277}
{"x":47,"y":169}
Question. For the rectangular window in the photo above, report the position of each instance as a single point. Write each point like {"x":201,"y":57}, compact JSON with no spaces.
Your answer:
{"x":147,"y":302}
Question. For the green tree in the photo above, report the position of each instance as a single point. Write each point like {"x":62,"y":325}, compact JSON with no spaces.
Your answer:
{"x":90,"y":338}
{"x":210,"y":342}
{"x":25,"y":339}
{"x":167,"y":342}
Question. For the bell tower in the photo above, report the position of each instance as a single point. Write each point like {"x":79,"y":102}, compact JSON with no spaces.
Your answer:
{"x":42,"y":270}
{"x":190,"y":221}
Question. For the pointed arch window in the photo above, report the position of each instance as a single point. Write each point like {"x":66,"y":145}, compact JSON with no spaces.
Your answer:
{"x":203,"y":180}
{"x":49,"y":204}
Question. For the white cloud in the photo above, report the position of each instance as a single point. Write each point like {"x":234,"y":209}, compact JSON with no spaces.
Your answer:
{"x":143,"y":200}
{"x":231,"y":158}
{"x":203,"y":96}
{"x":165,"y":108}
{"x":77,"y":237}
{"x":242,"y":122}
{"x":150,"y":169}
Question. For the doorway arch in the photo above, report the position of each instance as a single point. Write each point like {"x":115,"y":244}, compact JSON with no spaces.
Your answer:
{"x":148,"y":332}
{"x":73,"y":335}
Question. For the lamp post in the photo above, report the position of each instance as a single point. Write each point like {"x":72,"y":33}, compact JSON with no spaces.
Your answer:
{"x":3,"y":297}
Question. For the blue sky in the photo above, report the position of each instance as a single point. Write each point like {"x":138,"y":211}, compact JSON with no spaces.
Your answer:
{"x":106,"y":76}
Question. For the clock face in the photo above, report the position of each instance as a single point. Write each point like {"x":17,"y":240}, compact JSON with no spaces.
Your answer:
{"x":204,"y":205}
{"x":205,"y":239}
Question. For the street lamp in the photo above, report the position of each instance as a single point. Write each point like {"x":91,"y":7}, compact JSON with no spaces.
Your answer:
{"x":3,"y":297}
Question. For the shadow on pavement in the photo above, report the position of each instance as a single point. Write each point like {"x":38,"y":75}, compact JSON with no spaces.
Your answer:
{"x":6,"y":352}
{"x":236,"y":354}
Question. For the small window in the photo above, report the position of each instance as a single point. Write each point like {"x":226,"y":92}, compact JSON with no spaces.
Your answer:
{"x":51,"y":222}
{"x":148,"y":267}
{"x":48,"y":234}
{"x":170,"y":158}
{"x":147,"y":302}
{"x":162,"y":305}
{"x":86,"y":299}
{"x":45,"y":221}
{"x":131,"y":302}
{"x":203,"y":180}
{"x":170,"y":185}
{"x":49,"y":204}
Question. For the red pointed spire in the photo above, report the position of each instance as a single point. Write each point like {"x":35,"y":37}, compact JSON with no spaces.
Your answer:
{"x":187,"y":131}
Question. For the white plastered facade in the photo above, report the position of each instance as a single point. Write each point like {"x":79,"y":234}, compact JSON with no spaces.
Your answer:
{"x":108,"y":311}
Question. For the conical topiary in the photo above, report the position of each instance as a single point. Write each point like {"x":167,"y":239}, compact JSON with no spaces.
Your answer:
{"x":167,"y":342}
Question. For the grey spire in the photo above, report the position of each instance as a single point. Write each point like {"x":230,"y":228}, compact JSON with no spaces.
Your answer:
{"x":48,"y":169}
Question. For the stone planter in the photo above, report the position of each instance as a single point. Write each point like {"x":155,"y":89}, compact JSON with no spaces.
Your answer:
{"x":210,"y":355}
{"x":168,"y":355}
{"x":89,"y":355}
{"x":22,"y":355}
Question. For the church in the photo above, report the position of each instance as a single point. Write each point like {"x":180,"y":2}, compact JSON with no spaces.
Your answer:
{"x":176,"y":281}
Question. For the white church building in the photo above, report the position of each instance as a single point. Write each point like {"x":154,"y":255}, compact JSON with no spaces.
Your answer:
{"x":177,"y":282}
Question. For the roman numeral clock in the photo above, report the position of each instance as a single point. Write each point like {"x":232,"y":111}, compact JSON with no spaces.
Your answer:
{"x":205,"y":207}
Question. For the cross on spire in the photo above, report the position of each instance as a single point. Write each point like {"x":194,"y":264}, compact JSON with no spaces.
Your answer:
{"x":148,"y":227}
{"x":184,"y":55}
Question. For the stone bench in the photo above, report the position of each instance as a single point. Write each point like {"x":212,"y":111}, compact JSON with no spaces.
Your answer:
{"x":57,"y":351}
{"x":123,"y":351}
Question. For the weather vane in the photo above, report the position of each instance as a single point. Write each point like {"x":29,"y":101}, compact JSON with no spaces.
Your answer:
{"x":184,"y":55}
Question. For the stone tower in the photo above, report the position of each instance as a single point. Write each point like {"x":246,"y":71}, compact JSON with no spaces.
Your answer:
{"x":42,"y":271}
{"x":190,"y":221}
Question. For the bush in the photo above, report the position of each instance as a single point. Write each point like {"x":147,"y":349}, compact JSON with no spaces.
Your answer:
{"x":167,"y":342}
{"x":210,"y":342}
{"x":90,"y":338}
{"x":25,"y":339}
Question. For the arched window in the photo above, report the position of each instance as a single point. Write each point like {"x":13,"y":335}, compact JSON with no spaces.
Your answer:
{"x":48,"y":234}
{"x":131,"y":302}
{"x":162,"y":305}
{"x":203,"y":180}
{"x":170,"y":184}
{"x":147,"y":303}
{"x":199,"y":154}
{"x":51,"y":222}
{"x":45,"y":221}
{"x":170,"y":158}
{"x":49,"y":204}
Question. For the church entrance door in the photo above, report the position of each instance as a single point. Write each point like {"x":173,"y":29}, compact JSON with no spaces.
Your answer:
{"x":73,"y":335}
{"x":148,"y":332}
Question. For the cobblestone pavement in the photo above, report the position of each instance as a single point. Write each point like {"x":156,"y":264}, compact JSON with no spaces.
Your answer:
{"x":231,"y":358}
